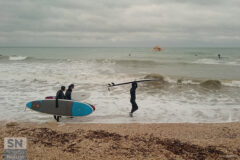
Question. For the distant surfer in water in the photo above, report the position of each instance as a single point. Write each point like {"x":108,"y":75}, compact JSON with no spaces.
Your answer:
{"x":219,"y":56}
{"x":68,"y":93}
{"x":133,"y":98}
{"x":59,"y":95}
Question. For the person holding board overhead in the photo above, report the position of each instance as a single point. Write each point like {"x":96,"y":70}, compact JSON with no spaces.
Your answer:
{"x":132,"y":92}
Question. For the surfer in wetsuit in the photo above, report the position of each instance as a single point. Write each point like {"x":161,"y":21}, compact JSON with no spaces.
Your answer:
{"x":133,"y":98}
{"x":68,"y":93}
{"x":59,"y":95}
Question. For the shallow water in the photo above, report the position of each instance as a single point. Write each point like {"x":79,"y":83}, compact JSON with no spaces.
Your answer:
{"x":28,"y":74}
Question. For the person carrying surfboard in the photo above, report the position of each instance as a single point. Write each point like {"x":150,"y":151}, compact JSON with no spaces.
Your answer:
{"x":133,"y":98}
{"x":59,"y":95}
{"x":68,"y":93}
{"x":132,"y":92}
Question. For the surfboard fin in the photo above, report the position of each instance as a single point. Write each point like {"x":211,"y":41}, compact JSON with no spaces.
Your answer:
{"x":110,"y":85}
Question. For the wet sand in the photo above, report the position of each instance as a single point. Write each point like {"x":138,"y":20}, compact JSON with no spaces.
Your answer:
{"x":53,"y":141}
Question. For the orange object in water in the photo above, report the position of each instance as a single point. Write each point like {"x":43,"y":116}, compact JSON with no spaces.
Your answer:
{"x":157,"y":49}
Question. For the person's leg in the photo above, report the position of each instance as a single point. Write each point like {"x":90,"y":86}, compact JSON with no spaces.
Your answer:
{"x":134,"y":106}
{"x":56,"y":103}
{"x":57,"y":118}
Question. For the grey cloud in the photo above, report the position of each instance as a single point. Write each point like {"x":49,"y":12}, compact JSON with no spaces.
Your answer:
{"x":111,"y":23}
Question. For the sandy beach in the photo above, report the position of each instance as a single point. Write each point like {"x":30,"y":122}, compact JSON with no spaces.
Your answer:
{"x":51,"y":141}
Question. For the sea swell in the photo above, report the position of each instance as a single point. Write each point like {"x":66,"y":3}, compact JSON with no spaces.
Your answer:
{"x":210,"y":83}
{"x":131,"y":61}
{"x":75,"y":68}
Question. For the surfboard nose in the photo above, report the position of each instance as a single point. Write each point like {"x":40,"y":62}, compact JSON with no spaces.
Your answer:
{"x":93,"y":107}
{"x":29,"y":104}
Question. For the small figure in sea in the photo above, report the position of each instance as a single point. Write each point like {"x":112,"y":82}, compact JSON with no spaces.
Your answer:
{"x":133,"y":98}
{"x":219,"y":56}
{"x":68,"y":93}
{"x":179,"y":82}
{"x":59,"y":95}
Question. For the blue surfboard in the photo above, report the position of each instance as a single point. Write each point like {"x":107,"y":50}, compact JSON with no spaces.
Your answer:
{"x":65,"y":107}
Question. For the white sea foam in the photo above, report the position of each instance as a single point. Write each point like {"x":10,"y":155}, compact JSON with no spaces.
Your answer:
{"x":17,"y":58}
{"x":215,"y":61}
{"x":236,"y":63}
{"x":231,"y":83}
{"x":187,"y":105}
{"x":208,"y":61}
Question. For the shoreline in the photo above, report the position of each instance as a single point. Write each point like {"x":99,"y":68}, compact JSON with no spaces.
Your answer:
{"x":51,"y":140}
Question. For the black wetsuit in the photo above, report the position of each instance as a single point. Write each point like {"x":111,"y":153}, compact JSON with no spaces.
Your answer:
{"x":133,"y":98}
{"x":68,"y":94}
{"x":59,"y":95}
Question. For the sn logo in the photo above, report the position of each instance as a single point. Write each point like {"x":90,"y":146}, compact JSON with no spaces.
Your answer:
{"x":15,"y":143}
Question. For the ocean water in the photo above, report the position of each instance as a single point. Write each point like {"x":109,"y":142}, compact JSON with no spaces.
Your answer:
{"x":28,"y":74}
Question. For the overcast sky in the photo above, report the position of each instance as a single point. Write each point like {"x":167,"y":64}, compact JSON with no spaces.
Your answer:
{"x":112,"y":23}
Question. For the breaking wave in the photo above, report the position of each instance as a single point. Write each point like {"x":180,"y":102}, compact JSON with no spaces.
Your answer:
{"x":211,"y":84}
{"x":215,"y":61}
{"x":17,"y":58}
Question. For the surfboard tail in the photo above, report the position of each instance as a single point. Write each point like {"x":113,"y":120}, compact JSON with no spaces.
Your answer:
{"x":50,"y":97}
{"x":29,"y":105}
